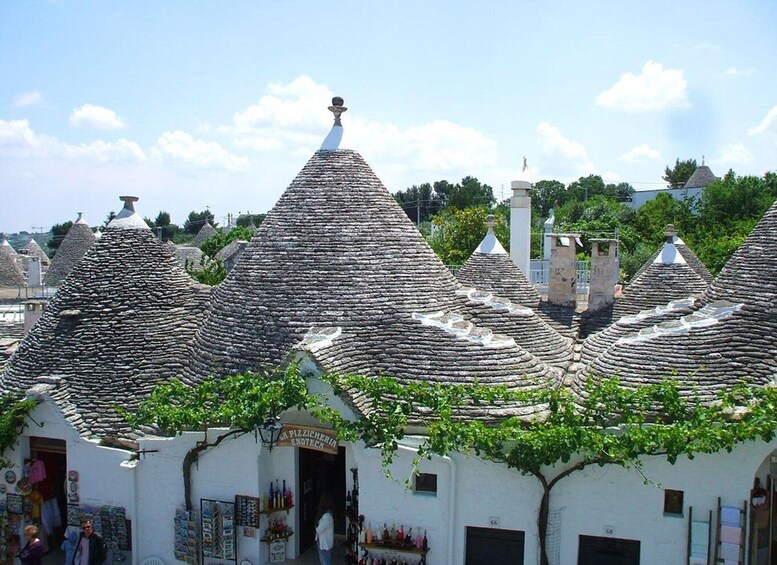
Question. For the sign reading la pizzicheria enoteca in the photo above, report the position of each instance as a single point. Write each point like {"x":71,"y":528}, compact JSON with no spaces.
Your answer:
{"x":319,"y":439}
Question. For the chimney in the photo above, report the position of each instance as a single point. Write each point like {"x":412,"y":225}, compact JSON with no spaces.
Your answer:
{"x":520,"y":226}
{"x":562,"y":280}
{"x":33,"y":309}
{"x":34,"y":273}
{"x":604,"y":273}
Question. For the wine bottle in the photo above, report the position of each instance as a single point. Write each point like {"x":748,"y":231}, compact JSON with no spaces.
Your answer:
{"x":425,"y":542}
{"x":393,"y":533}
{"x":385,"y":533}
{"x":272,"y":497}
{"x":369,"y":533}
{"x":409,"y":537}
{"x":418,"y":539}
{"x":284,"y":492}
{"x":401,"y":534}
{"x":348,"y":502}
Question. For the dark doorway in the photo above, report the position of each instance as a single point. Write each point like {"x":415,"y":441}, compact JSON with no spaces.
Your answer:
{"x":319,"y":472}
{"x":486,"y":546}
{"x":51,"y":490}
{"x":607,"y":551}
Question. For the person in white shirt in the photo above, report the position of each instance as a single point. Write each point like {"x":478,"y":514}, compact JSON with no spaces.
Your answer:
{"x":325,"y":529}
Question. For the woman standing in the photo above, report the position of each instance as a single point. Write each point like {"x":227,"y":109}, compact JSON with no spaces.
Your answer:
{"x":32,"y":552}
{"x":325,"y":529}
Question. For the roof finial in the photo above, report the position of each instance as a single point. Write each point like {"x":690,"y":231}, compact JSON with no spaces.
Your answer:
{"x":670,"y":233}
{"x":702,"y":160}
{"x":490,"y":222}
{"x":337,"y":109}
{"x":332,"y":141}
{"x":129,"y":202}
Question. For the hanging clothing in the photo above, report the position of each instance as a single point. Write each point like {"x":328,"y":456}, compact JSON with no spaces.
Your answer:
{"x":37,"y":471}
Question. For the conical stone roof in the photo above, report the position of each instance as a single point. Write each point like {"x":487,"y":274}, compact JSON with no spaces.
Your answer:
{"x":730,"y":336}
{"x":78,"y":240}
{"x":502,"y":299}
{"x":117,"y":326}
{"x":700,"y":178}
{"x":337,"y":253}
{"x":687,"y":253}
{"x":10,"y":273}
{"x":206,"y":232}
{"x":34,"y":250}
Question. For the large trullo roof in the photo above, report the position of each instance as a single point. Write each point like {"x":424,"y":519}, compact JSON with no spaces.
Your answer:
{"x":117,"y":326}
{"x":10,"y":273}
{"x":338,"y":257}
{"x":501,"y":298}
{"x":34,"y":250}
{"x":701,"y":177}
{"x":206,"y":231}
{"x":728,"y":337}
{"x":78,"y":240}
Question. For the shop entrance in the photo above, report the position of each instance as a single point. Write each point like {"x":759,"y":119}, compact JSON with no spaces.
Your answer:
{"x":48,"y":461}
{"x":319,"y":472}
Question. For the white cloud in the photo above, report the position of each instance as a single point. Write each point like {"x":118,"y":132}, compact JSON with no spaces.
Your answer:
{"x":16,"y":134}
{"x":563,"y":157}
{"x":26,"y":99}
{"x":655,"y":88}
{"x":766,"y":123}
{"x":296,"y":105}
{"x":641,"y":153}
{"x":183,"y":148}
{"x":734,"y":154}
{"x":17,"y":138}
{"x":736,"y":72}
{"x":292,"y":118}
{"x":95,"y":117}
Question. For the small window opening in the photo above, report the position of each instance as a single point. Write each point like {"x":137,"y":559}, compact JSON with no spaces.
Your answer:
{"x":426,"y":483}
{"x":673,"y":502}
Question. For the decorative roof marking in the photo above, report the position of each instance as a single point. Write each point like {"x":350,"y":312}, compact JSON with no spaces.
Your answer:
{"x":658,"y":311}
{"x":456,"y":325}
{"x":708,"y":316}
{"x":495,"y":302}
{"x":332,"y":141}
{"x":128,"y":219}
{"x":490,"y":243}
{"x":670,"y":256}
{"x":319,"y":337}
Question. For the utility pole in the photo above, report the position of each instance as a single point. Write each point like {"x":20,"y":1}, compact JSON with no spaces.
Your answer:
{"x":418,"y":211}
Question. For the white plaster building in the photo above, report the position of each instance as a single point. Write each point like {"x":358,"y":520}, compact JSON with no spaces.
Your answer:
{"x":338,"y":277}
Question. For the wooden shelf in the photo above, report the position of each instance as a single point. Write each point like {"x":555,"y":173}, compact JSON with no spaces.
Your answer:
{"x":279,"y":509}
{"x":400,"y":548}
{"x":283,"y":537}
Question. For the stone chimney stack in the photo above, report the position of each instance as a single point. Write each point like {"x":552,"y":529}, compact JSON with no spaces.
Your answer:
{"x":520,"y":226}
{"x":562,"y":280}
{"x":34,"y":272}
{"x":33,"y":308}
{"x":605,"y":267}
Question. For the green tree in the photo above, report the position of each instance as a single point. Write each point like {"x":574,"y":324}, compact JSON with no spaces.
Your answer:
{"x":13,"y":413}
{"x":210,"y":272}
{"x":58,"y":233}
{"x":546,"y":194}
{"x":217,"y":242}
{"x":585,"y":187}
{"x":470,"y":192}
{"x":419,"y":202}
{"x":196,"y":220}
{"x":677,"y":176}
{"x":457,"y":233}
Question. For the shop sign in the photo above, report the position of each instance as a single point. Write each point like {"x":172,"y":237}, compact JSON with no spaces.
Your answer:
{"x":319,"y":439}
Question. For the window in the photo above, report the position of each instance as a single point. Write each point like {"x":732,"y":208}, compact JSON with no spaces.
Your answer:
{"x":426,"y":483}
{"x":673,"y":502}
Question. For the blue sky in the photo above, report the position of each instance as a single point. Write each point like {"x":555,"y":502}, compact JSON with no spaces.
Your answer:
{"x":219,"y":104}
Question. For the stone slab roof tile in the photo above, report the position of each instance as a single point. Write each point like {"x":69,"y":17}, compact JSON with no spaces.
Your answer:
{"x":117,"y":326}
{"x":78,"y":240}
{"x":206,"y":232}
{"x":10,"y":273}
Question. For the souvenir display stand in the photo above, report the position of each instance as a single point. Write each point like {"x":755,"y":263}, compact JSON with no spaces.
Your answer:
{"x":217,"y":524}
{"x":277,"y":533}
{"x":392,"y":546}
{"x":185,"y":537}
{"x":698,"y":539}
{"x":730,"y":534}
